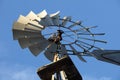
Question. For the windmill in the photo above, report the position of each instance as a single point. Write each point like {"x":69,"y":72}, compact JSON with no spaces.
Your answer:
{"x":58,"y":38}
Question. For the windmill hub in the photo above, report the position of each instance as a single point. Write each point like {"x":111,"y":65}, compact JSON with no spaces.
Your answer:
{"x":65,"y":35}
{"x":56,"y":38}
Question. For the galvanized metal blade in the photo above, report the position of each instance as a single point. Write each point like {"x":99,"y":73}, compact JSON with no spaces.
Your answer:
{"x":27,"y":42}
{"x":65,"y":20}
{"x":32,"y":16}
{"x":38,"y":48}
{"x":45,"y":19}
{"x":26,"y":27}
{"x":26,"y":21}
{"x":55,"y":18}
{"x":17,"y":34}
{"x":51,"y":50}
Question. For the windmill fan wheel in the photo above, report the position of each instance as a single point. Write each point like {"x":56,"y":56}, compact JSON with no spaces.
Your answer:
{"x":38,"y":32}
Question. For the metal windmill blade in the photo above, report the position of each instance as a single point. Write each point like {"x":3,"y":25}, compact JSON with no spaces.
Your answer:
{"x":34,"y":32}
{"x":51,"y":50}
{"x":55,"y":18}
{"x":27,"y":30}
{"x":45,"y":18}
{"x":65,"y":20}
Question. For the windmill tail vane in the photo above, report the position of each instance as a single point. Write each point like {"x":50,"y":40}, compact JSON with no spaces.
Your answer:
{"x":58,"y":38}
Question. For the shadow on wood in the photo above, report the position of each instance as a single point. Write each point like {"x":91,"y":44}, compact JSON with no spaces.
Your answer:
{"x":64,"y":64}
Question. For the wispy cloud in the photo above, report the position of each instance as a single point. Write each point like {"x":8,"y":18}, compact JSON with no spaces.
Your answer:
{"x":21,"y":72}
{"x":16,"y":72}
{"x":96,"y":78}
{"x":24,"y":75}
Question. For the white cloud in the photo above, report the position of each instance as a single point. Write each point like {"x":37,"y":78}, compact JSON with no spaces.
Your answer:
{"x":21,"y":72}
{"x":96,"y":78}
{"x":105,"y":78}
{"x":24,"y":75}
{"x":16,"y":72}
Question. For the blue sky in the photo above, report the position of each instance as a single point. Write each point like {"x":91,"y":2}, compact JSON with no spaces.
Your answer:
{"x":19,"y":64}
